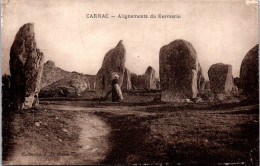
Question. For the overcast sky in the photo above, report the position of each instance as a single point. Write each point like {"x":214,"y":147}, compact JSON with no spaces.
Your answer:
{"x":220,"y":31}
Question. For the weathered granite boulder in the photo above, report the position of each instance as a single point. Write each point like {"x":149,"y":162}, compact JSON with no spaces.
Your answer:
{"x":249,"y":74}
{"x":127,"y":80}
{"x":52,"y":74}
{"x":178,"y":71}
{"x":150,"y":80}
{"x":67,"y":87}
{"x":220,"y":78}
{"x":26,"y":64}
{"x":113,"y":63}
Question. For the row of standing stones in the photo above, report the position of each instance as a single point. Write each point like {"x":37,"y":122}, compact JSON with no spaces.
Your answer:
{"x":180,"y":71}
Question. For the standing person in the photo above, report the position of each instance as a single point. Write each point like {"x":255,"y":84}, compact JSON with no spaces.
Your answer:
{"x":116,"y":90}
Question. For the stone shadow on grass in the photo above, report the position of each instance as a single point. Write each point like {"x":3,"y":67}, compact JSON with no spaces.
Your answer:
{"x":8,"y":116}
{"x":128,"y":139}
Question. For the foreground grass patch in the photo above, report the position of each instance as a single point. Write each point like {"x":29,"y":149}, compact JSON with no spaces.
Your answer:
{"x":41,"y":136}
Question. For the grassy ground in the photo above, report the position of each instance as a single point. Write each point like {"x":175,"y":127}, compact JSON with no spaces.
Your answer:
{"x":185,"y":136}
{"x":142,"y":130}
{"x":39,"y":135}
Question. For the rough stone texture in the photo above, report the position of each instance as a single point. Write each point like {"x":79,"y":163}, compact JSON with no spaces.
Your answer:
{"x":26,"y":64}
{"x":127,"y":80}
{"x":52,"y":74}
{"x":150,"y":80}
{"x":249,"y":74}
{"x":67,"y":87}
{"x":178,"y":71}
{"x":220,"y":78}
{"x":113,"y":63}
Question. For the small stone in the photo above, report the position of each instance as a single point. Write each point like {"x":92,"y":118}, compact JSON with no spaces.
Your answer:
{"x":56,"y":117}
{"x":220,"y":97}
{"x":60,"y":140}
{"x":187,"y":100}
{"x":37,"y":124}
{"x":64,"y":130}
{"x":150,"y":81}
{"x":94,"y":150}
{"x":45,"y":110}
{"x":198,"y":100}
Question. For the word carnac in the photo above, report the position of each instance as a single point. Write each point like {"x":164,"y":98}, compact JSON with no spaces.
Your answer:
{"x":97,"y":16}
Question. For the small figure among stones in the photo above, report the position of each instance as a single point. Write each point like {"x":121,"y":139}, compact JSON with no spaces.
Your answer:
{"x":116,"y":90}
{"x":113,"y":62}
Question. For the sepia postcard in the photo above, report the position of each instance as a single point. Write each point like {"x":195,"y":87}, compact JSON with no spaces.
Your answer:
{"x":172,"y":82}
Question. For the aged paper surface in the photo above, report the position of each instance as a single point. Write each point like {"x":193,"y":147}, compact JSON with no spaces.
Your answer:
{"x":188,"y":72}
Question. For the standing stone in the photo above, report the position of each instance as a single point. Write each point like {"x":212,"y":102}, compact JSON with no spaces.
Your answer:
{"x":178,"y":71}
{"x":113,"y":63}
{"x":150,"y":80}
{"x":127,"y":80}
{"x":249,"y":74}
{"x":220,"y":78}
{"x":26,"y":64}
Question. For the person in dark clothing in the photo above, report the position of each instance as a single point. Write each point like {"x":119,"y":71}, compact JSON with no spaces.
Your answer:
{"x":116,"y":91}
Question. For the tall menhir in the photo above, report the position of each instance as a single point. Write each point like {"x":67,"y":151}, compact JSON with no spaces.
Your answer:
{"x":26,"y":64}
{"x":179,"y":70}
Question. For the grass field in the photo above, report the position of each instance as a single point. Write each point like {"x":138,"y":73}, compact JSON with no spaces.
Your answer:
{"x":139,"y":129}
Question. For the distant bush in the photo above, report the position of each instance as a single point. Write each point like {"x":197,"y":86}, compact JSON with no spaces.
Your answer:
{"x":138,"y":81}
{"x":6,"y":86}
